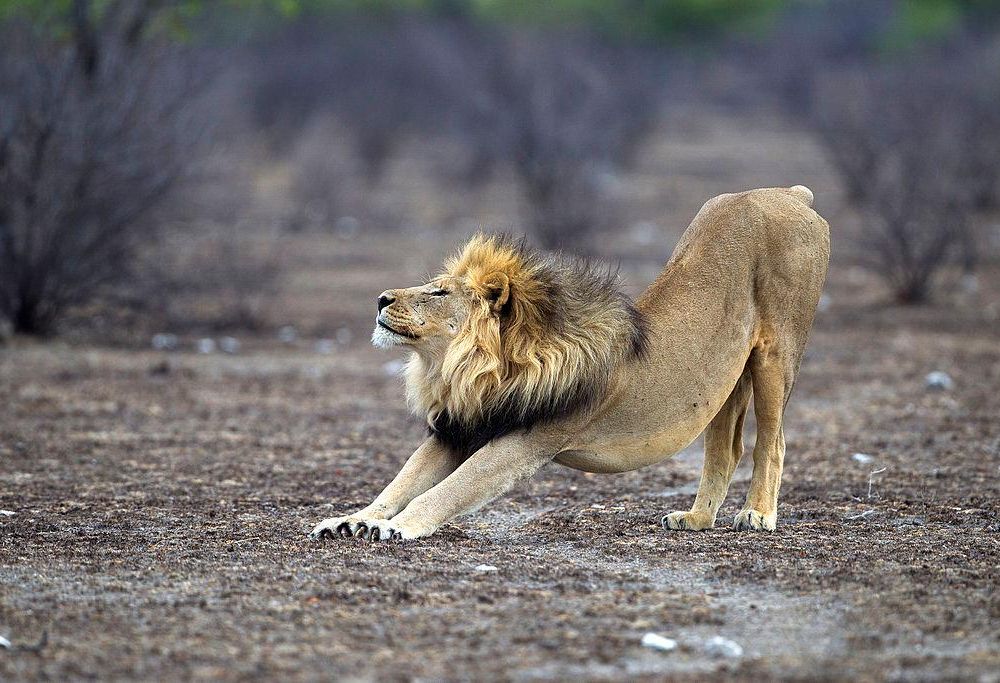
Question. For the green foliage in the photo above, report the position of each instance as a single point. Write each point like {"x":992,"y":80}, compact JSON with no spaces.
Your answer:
{"x":670,"y":20}
{"x":699,"y":18}
{"x":664,"y":19}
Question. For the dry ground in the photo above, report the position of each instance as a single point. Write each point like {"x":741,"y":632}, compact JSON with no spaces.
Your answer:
{"x":161,"y":503}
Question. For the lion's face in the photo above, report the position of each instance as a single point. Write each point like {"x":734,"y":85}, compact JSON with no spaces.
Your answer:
{"x":427,"y":317}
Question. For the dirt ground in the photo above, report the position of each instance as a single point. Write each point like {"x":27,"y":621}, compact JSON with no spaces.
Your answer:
{"x":161,"y":502}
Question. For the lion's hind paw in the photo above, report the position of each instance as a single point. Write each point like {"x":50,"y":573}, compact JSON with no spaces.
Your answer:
{"x":686,"y":521}
{"x":752,"y":520}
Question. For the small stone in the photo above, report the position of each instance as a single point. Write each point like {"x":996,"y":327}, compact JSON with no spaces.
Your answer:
{"x":344,"y":336}
{"x":347,"y":227}
{"x":824,"y":303}
{"x":863,"y":458}
{"x":970,"y":283}
{"x":6,"y":513}
{"x":486,"y":568}
{"x":229,"y":345}
{"x":657,"y":642}
{"x":910,"y":520}
{"x":164,"y":341}
{"x":644,"y":232}
{"x":288,"y":334}
{"x":393,"y":367}
{"x":938,"y":381}
{"x":718,"y":646}
{"x":206,"y":345}
{"x":324,"y":346}
{"x":4,"y":643}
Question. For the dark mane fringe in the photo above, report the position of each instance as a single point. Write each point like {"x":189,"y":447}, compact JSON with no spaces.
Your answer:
{"x":561,"y":300}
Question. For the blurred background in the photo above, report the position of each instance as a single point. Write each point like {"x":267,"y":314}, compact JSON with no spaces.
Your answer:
{"x":199,"y":174}
{"x":200,"y":201}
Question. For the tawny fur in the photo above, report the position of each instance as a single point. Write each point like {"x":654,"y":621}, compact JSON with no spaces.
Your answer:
{"x":521,"y":360}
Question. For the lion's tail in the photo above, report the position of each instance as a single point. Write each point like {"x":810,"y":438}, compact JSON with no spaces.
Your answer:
{"x":803,"y":193}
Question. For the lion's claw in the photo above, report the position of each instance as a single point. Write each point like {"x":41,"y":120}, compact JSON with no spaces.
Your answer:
{"x":367,"y":528}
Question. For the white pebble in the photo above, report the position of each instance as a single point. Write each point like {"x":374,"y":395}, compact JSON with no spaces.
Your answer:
{"x":863,"y":458}
{"x":824,"y":303}
{"x":939,"y":381}
{"x":723,"y":647}
{"x":485,"y":568}
{"x":658,"y":642}
{"x":393,"y":367}
{"x":970,"y":283}
{"x":644,"y":232}
{"x":324,"y":346}
{"x":7,"y":513}
{"x":229,"y":345}
{"x":4,"y":643}
{"x":347,"y":226}
{"x":206,"y":345}
{"x":164,"y":341}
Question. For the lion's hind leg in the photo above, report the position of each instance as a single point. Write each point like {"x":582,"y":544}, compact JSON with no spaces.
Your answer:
{"x":773,"y":370}
{"x":723,"y":450}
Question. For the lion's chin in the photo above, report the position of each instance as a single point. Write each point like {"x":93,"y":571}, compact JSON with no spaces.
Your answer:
{"x":385,"y":339}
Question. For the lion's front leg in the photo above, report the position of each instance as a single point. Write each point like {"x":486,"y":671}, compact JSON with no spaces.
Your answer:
{"x":488,"y":473}
{"x":428,"y":465}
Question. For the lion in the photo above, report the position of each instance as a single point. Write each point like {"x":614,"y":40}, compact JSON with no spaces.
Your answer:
{"x":521,"y":359}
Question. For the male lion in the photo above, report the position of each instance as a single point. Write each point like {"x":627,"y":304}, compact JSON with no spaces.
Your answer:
{"x":521,"y":359}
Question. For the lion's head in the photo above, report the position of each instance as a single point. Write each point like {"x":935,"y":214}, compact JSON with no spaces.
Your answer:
{"x":505,"y":338}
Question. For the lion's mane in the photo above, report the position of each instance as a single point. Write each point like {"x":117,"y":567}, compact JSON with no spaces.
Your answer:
{"x":543,"y":336}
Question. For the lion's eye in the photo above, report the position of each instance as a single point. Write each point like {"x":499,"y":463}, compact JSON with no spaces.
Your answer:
{"x":439,"y":292}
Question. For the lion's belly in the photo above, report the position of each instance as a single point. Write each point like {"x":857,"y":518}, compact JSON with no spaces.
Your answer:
{"x":608,"y":452}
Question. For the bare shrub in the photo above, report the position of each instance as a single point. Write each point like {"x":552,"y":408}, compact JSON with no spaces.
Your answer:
{"x":373,"y":77}
{"x":220,"y":276}
{"x":323,"y":178}
{"x":916,"y":146}
{"x":559,"y":109}
{"x":93,"y":135}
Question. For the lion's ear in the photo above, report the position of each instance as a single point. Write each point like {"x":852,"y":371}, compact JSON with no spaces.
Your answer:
{"x":497,"y":286}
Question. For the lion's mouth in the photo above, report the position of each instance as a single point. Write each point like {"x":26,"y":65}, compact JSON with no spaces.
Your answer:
{"x":394,"y":331}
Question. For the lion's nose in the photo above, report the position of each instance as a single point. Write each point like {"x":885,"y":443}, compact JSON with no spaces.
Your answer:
{"x":384,"y":299}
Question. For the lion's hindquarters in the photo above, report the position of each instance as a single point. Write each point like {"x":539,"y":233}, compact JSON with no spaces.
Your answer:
{"x":803,"y":193}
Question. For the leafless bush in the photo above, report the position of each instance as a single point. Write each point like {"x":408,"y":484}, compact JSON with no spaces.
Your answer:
{"x":323,"y":180}
{"x":93,"y":135}
{"x":917,"y":147}
{"x":220,"y":276}
{"x":374,"y":78}
{"x":560,"y":110}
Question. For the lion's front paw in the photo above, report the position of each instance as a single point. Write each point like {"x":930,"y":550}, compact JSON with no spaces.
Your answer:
{"x":395,"y":530}
{"x":339,"y":526}
{"x":369,"y":529}
{"x":751,"y":520}
{"x":690,"y":521}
